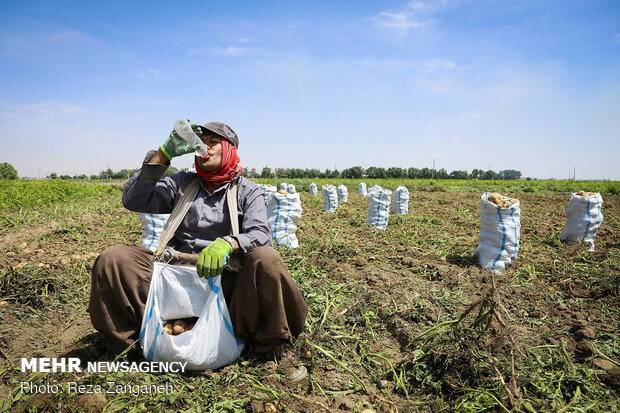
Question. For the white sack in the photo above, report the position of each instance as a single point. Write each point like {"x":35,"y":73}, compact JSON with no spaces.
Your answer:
{"x":362,"y":189}
{"x":401,"y":201}
{"x":583,"y":219}
{"x":378,"y":207}
{"x":267,"y":190}
{"x":283,"y":186}
{"x":283,"y":213}
{"x":290,"y":188}
{"x":343,"y":193}
{"x":500,"y":230}
{"x":313,"y":189}
{"x":178,"y":292}
{"x":330,"y":198}
{"x":152,"y":226}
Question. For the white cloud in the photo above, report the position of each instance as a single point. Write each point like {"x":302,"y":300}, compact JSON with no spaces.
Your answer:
{"x":395,"y":20}
{"x":617,"y":38}
{"x":416,"y":5}
{"x":152,"y":73}
{"x":230,"y":51}
{"x":38,"y":109}
{"x":434,"y":65}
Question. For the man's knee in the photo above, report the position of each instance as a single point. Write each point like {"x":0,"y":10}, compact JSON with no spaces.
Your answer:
{"x":117,"y":257}
{"x":267,"y":258}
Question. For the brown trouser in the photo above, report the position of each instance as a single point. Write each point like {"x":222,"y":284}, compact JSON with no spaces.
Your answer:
{"x":266,"y":307}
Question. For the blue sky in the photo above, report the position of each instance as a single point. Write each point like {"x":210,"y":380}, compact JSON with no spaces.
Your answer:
{"x":526,"y":85}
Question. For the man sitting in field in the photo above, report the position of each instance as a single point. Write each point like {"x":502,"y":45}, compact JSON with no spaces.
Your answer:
{"x":265,"y":306}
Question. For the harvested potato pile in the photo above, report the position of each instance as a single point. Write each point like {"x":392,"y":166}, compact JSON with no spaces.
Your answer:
{"x":501,"y":200}
{"x":586,"y":194}
{"x":282,"y":191}
{"x":180,"y":326}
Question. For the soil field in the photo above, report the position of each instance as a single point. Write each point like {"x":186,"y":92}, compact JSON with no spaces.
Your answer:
{"x":401,"y":320}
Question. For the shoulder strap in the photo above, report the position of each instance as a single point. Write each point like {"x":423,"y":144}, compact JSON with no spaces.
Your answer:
{"x":231,"y":200}
{"x":177,"y":215}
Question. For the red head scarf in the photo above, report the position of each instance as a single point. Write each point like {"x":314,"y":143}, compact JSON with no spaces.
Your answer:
{"x":228,"y":171}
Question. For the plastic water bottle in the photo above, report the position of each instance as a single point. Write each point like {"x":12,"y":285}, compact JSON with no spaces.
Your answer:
{"x":183,"y":128}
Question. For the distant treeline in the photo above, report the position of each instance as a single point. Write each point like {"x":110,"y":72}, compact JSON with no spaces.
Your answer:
{"x":108,"y":174}
{"x":356,"y":172}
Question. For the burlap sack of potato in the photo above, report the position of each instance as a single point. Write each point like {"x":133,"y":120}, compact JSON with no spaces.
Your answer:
{"x":313,"y":189}
{"x":378,"y":207}
{"x":152,"y":226}
{"x":268,"y":189}
{"x":583,"y":218}
{"x":330,"y":198}
{"x":177,"y":292}
{"x":500,"y":228}
{"x":283,"y":212}
{"x":362,"y":189}
{"x":401,"y":201}
{"x":343,"y":193}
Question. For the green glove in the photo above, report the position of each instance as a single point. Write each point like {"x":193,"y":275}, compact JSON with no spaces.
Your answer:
{"x":175,"y":145}
{"x":213,"y":258}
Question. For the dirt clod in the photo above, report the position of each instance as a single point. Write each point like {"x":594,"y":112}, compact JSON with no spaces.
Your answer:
{"x":91,"y":402}
{"x":583,"y":349}
{"x":586,"y":332}
{"x":604,"y":364}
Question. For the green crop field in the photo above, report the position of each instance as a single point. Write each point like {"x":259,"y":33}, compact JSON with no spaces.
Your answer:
{"x":401,"y":320}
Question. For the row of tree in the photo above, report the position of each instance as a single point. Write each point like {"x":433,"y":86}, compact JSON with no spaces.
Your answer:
{"x":357,"y":172}
{"x":108,"y":174}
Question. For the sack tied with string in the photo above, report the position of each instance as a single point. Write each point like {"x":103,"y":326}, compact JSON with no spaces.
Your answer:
{"x":313,"y":189}
{"x":401,"y":201}
{"x":267,"y":190}
{"x":330,"y":198}
{"x":152,"y":226}
{"x":343,"y":193}
{"x":583,"y":218}
{"x":378,"y":207}
{"x":283,"y":213}
{"x":362,"y":189}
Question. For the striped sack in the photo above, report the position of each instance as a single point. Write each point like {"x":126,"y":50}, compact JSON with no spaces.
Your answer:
{"x":267,"y":189}
{"x":178,"y":292}
{"x":583,"y":219}
{"x":283,"y":213}
{"x":330,"y":198}
{"x":500,"y":230}
{"x":378,"y":207}
{"x":152,"y":226}
{"x":313,"y":189}
{"x":401,"y":201}
{"x":343,"y":193}
{"x":362,"y":189}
